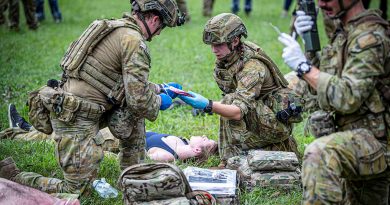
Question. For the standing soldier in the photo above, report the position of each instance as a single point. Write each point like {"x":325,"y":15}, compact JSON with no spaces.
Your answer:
{"x":247,"y":77}
{"x":106,"y":72}
{"x":208,"y":7}
{"x":347,"y":165}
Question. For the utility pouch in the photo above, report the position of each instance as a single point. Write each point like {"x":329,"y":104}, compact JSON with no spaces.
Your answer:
{"x":370,"y":155}
{"x":121,"y":122}
{"x":38,"y":114}
{"x":321,"y":123}
{"x":64,"y":105}
{"x":70,"y":106}
{"x":151,"y":183}
{"x":286,"y":104}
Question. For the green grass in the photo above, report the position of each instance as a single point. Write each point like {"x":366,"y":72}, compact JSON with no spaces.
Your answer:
{"x":29,"y":58}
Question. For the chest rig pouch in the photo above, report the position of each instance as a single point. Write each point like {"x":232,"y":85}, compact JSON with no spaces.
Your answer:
{"x":76,"y":62}
{"x":283,"y":101}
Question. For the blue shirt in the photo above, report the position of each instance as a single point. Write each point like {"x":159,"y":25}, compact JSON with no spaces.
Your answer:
{"x":154,"y":139}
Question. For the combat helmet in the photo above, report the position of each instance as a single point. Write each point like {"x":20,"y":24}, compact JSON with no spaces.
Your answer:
{"x":167,"y":9}
{"x":223,"y":28}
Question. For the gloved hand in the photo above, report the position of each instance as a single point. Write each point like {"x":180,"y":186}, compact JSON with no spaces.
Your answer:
{"x":166,"y":101}
{"x":196,"y":101}
{"x":303,"y":23}
{"x":165,"y":89}
{"x":292,"y":53}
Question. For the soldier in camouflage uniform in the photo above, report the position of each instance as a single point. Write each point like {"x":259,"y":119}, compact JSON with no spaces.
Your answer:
{"x":349,"y":165}
{"x":246,"y":76}
{"x":88,"y":94}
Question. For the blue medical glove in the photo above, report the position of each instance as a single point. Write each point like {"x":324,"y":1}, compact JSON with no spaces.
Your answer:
{"x":166,"y":101}
{"x":196,"y":101}
{"x":169,"y":92}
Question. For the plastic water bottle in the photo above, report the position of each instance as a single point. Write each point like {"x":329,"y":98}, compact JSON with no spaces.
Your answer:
{"x":104,"y":189}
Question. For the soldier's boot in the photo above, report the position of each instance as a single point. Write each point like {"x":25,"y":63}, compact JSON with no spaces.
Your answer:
{"x":8,"y":169}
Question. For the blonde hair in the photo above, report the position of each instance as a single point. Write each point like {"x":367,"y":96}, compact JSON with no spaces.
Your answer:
{"x":207,"y":151}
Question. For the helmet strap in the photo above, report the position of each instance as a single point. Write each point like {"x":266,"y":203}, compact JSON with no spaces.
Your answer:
{"x":142,"y":18}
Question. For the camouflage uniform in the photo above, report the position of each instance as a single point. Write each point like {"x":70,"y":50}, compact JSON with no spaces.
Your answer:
{"x":349,"y":166}
{"x":245,"y":87}
{"x":248,"y":78}
{"x":20,"y":134}
{"x":110,"y":144}
{"x":78,"y":145}
{"x":208,"y":7}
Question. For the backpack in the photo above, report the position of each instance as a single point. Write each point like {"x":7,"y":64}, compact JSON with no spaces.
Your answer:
{"x":266,"y":169}
{"x":159,"y":183}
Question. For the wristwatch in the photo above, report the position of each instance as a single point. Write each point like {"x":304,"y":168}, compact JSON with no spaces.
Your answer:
{"x":209,"y":107}
{"x":303,"y":68}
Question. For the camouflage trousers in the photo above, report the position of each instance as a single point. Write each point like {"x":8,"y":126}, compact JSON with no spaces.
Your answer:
{"x":255,"y":131}
{"x":208,"y":7}
{"x":78,"y":152}
{"x":29,"y":12}
{"x":345,"y":168}
{"x":20,"y":134}
{"x":132,"y":149}
{"x":111,"y":144}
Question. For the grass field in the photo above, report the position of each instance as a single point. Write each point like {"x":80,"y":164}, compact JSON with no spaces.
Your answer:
{"x":29,"y":58}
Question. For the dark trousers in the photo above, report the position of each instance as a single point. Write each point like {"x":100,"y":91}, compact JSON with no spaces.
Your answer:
{"x":55,"y":11}
{"x":287,"y":4}
{"x":29,"y":12}
{"x":236,"y":6}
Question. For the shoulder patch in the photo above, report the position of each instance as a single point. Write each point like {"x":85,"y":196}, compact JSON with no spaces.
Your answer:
{"x":367,"y":40}
{"x":145,"y":48}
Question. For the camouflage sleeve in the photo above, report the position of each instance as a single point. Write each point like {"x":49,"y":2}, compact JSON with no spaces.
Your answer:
{"x":154,"y":87}
{"x":364,"y":63}
{"x":140,"y":98}
{"x":249,"y":83}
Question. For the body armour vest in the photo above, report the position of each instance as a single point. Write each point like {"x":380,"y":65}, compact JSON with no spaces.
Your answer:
{"x":77,"y":62}
{"x":250,"y":51}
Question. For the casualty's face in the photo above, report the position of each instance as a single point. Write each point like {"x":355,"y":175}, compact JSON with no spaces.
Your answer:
{"x":330,"y":7}
{"x":202,"y":141}
{"x":220,"y":50}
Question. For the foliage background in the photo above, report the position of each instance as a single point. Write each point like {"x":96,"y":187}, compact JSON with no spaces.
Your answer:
{"x":29,"y":58}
